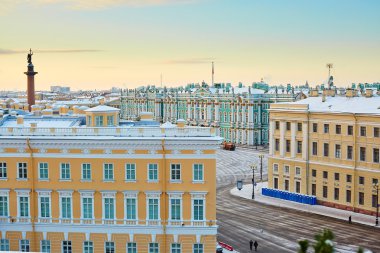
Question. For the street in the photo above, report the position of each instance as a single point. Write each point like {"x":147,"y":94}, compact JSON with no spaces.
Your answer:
{"x":275,"y":229}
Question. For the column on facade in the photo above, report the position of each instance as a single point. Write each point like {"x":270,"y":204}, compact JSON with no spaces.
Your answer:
{"x":216,"y":110}
{"x":188,"y":108}
{"x":293,"y":143}
{"x":250,"y":113}
{"x":282,"y":138}
{"x":195,"y":110}
{"x":243,"y":112}
{"x":209,"y":110}
{"x":271,"y":137}
{"x":304,"y":140}
{"x":232,"y":112}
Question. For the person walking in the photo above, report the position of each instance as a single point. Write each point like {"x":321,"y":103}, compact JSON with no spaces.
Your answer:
{"x":256,"y":245}
{"x":349,"y":219}
{"x":250,"y":244}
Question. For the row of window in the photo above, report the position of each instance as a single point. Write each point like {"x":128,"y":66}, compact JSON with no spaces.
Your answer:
{"x":108,"y":203}
{"x":108,"y":171}
{"x":99,"y":120}
{"x":286,"y":170}
{"x":88,"y":247}
{"x":349,"y":153}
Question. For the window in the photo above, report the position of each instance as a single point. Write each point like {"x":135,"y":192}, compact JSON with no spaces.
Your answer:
{"x":277,"y":145}
{"x":350,"y":130}
{"x":286,"y":185}
{"x":24,"y":246}
{"x":313,"y":173}
{"x":198,"y":172}
{"x":65,"y":171}
{"x":298,"y":186}
{"x":66,"y":207}
{"x":198,"y":209}
{"x":315,"y":148}
{"x":361,"y":180}
{"x":131,"y":247}
{"x":287,"y":145}
{"x":315,"y":127}
{"x":130,"y":208}
{"x":43,"y":171}
{"x":362,"y":154}
{"x":153,"y":209}
{"x":153,"y":247}
{"x":376,"y":155}
{"x":287,"y":126}
{"x":298,"y":171}
{"x":89,"y":120}
{"x":109,"y":247}
{"x":108,"y":172}
{"x":299,"y":147}
{"x":87,"y":208}
{"x":275,"y":183}
{"x":325,"y":174}
{"x":110,"y":120}
{"x":349,"y":152}
{"x":336,"y":176}
{"x":361,"y":198}
{"x":325,"y":191}
{"x":277,"y":125}
{"x":176,"y":248}
{"x":3,"y":170}
{"x":152,"y":172}
{"x":336,"y":193}
{"x":326,"y":149}
{"x":22,"y":171}
{"x":24,"y":206}
{"x":44,"y":207}
{"x":88,"y":247}
{"x":109,"y":208}
{"x":348,"y":178}
{"x":4,"y":245}
{"x":275,"y":168}
{"x":86,"y":171}
{"x":45,"y":246}
{"x":3,"y":206}
{"x":326,"y":128}
{"x":175,"y":207}
{"x":348,"y":196}
{"x":286,"y":169}
{"x":198,"y":248}
{"x":314,"y":189}
{"x":363,"y":131}
{"x":338,"y":129}
{"x":98,"y":121}
{"x":175,"y":172}
{"x":299,"y":127}
{"x":130,"y":172}
{"x":376,"y":132}
{"x":374,"y":200}
{"x":337,"y":151}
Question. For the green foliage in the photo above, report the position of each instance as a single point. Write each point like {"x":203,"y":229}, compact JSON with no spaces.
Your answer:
{"x":304,"y":244}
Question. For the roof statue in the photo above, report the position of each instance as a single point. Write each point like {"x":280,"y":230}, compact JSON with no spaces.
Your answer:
{"x":29,"y":57}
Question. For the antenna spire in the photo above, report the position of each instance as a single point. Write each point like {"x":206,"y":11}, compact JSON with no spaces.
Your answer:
{"x":212,"y":75}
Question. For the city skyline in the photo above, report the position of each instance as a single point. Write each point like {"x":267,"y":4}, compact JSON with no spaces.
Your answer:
{"x":127,"y":43}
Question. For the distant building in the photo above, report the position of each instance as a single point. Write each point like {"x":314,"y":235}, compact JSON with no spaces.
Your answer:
{"x":60,"y":89}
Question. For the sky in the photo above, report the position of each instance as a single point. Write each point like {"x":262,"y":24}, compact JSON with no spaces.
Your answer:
{"x":100,"y":44}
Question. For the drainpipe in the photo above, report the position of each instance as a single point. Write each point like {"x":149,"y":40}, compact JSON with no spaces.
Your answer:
{"x":307,"y":154}
{"x":355,"y":163}
{"x":33,"y":197}
{"x":164,"y":199}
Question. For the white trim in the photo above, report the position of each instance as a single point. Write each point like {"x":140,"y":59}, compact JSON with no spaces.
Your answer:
{"x":158,"y":174}
{"x":125,"y":171}
{"x":153,"y":195}
{"x":5,"y":193}
{"x":86,"y":194}
{"x":180,"y":173}
{"x":81,"y":172}
{"x":110,"y":195}
{"x":203,"y":173}
{"x":39,"y":170}
{"x":65,"y":194}
{"x":111,"y":156}
{"x":131,"y":195}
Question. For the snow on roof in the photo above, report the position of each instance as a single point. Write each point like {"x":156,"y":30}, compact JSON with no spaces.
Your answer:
{"x":102,"y":108}
{"x":167,"y":124}
{"x":50,"y":122}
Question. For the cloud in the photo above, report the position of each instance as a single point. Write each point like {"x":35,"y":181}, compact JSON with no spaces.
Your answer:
{"x":190,"y":61}
{"x":11,"y":51}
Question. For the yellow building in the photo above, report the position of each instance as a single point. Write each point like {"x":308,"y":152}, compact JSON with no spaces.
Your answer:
{"x":327,"y":147}
{"x":103,"y":186}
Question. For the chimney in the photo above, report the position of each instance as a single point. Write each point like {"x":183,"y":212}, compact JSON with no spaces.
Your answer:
{"x":314,"y":93}
{"x":351,"y":93}
{"x":323,"y":97}
{"x":20,"y":120}
{"x":368,"y":93}
{"x":181,"y":123}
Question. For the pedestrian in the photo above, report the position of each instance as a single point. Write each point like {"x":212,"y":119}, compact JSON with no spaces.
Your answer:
{"x":349,"y":219}
{"x":250,"y":244}
{"x":256,"y":245}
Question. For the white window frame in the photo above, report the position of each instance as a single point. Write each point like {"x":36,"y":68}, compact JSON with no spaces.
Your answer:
{"x":198,"y":196}
{"x":104,"y":172}
{"x":4,"y":245}
{"x":176,"y":249}
{"x":300,"y":171}
{"x":108,"y":195}
{"x":5,"y":194}
{"x":20,"y":165}
{"x":99,"y":120}
{"x":177,"y":196}
{"x":134,"y":249}
{"x":65,"y":194}
{"x":112,"y":121}
{"x":21,"y":245}
{"x":86,"y":194}
{"x":23,"y":193}
{"x":44,"y":194}
{"x":275,"y":168}
{"x":150,"y":249}
{"x":4,"y":170}
{"x":71,"y":245}
{"x":61,"y":166}
{"x":111,"y":243}
{"x":286,"y":166}
{"x":131,"y":195}
{"x":295,"y":186}
{"x":198,"y":249}
{"x":39,"y":171}
{"x":158,"y":173}
{"x":82,"y":170}
{"x":41,"y":245}
{"x":91,"y":246}
{"x":175,"y":170}
{"x":126,"y":172}
{"x":153,"y":195}
{"x":203,"y":173}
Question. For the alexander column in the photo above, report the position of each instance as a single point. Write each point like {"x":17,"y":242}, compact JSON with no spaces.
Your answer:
{"x":30,"y":73}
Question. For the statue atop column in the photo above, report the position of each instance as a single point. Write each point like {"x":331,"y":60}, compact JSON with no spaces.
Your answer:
{"x":30,"y":56}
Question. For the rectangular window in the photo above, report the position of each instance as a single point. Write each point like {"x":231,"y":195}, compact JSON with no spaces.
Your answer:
{"x":130,"y":207}
{"x":3,"y":206}
{"x":376,"y":155}
{"x":175,"y":206}
{"x":131,"y":247}
{"x":4,"y":245}
{"x":130,"y":172}
{"x":275,"y":183}
{"x":375,"y":181}
{"x":325,"y":191}
{"x":374,"y":200}
{"x":287,"y":145}
{"x":87,"y":208}
{"x":198,"y":248}
{"x":110,"y":120}
{"x":337,"y":151}
{"x":299,"y":127}
{"x":176,"y":248}
{"x":350,"y":130}
{"x":198,"y":172}
{"x":108,"y":172}
{"x":325,"y":175}
{"x":338,"y":129}
{"x":315,"y":127}
{"x":175,"y":172}
{"x":336,"y":193}
{"x":65,"y":171}
{"x":298,"y":186}
{"x":298,"y":171}
{"x":314,"y":189}
{"x":22,"y":170}
{"x":376,"y":132}
{"x":153,"y":209}
{"x":89,"y":120}
{"x":45,"y":246}
{"x":326,"y":128}
{"x":66,"y":207}
{"x":109,"y":247}
{"x":286,"y":185}
{"x":363,"y":131}
{"x":286,"y":169}
{"x":362,"y":154}
{"x":361,"y":198}
{"x":3,"y":170}
{"x":348,"y":196}
{"x":198,"y":207}
{"x":326,"y":149}
{"x":277,"y":125}
{"x":275,"y":168}
{"x":313,"y":173}
{"x":299,"y":147}
{"x":348,"y":178}
{"x":44,"y":207}
{"x":98,"y":121}
{"x":109,"y":208}
{"x":287,"y":126}
{"x":88,"y":247}
{"x":361,"y":180}
{"x":153,"y":247}
{"x":24,"y":206}
{"x":277,"y":144}
{"x":153,"y":172}
{"x":86,"y":171}
{"x":24,"y":246}
{"x":349,"y":152}
{"x":336,"y":176}
{"x":315,"y":148}
{"x":43,"y":171}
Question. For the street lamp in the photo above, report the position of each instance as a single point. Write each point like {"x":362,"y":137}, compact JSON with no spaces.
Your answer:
{"x":376,"y":187}
{"x":239,"y":184}
{"x":253,"y":168}
{"x":261,"y":166}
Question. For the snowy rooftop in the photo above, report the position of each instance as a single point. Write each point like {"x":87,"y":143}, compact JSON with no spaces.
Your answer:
{"x":103,"y":108}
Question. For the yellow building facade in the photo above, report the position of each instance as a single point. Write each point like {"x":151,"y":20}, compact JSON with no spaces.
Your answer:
{"x":327,"y":147}
{"x":67,"y":186}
